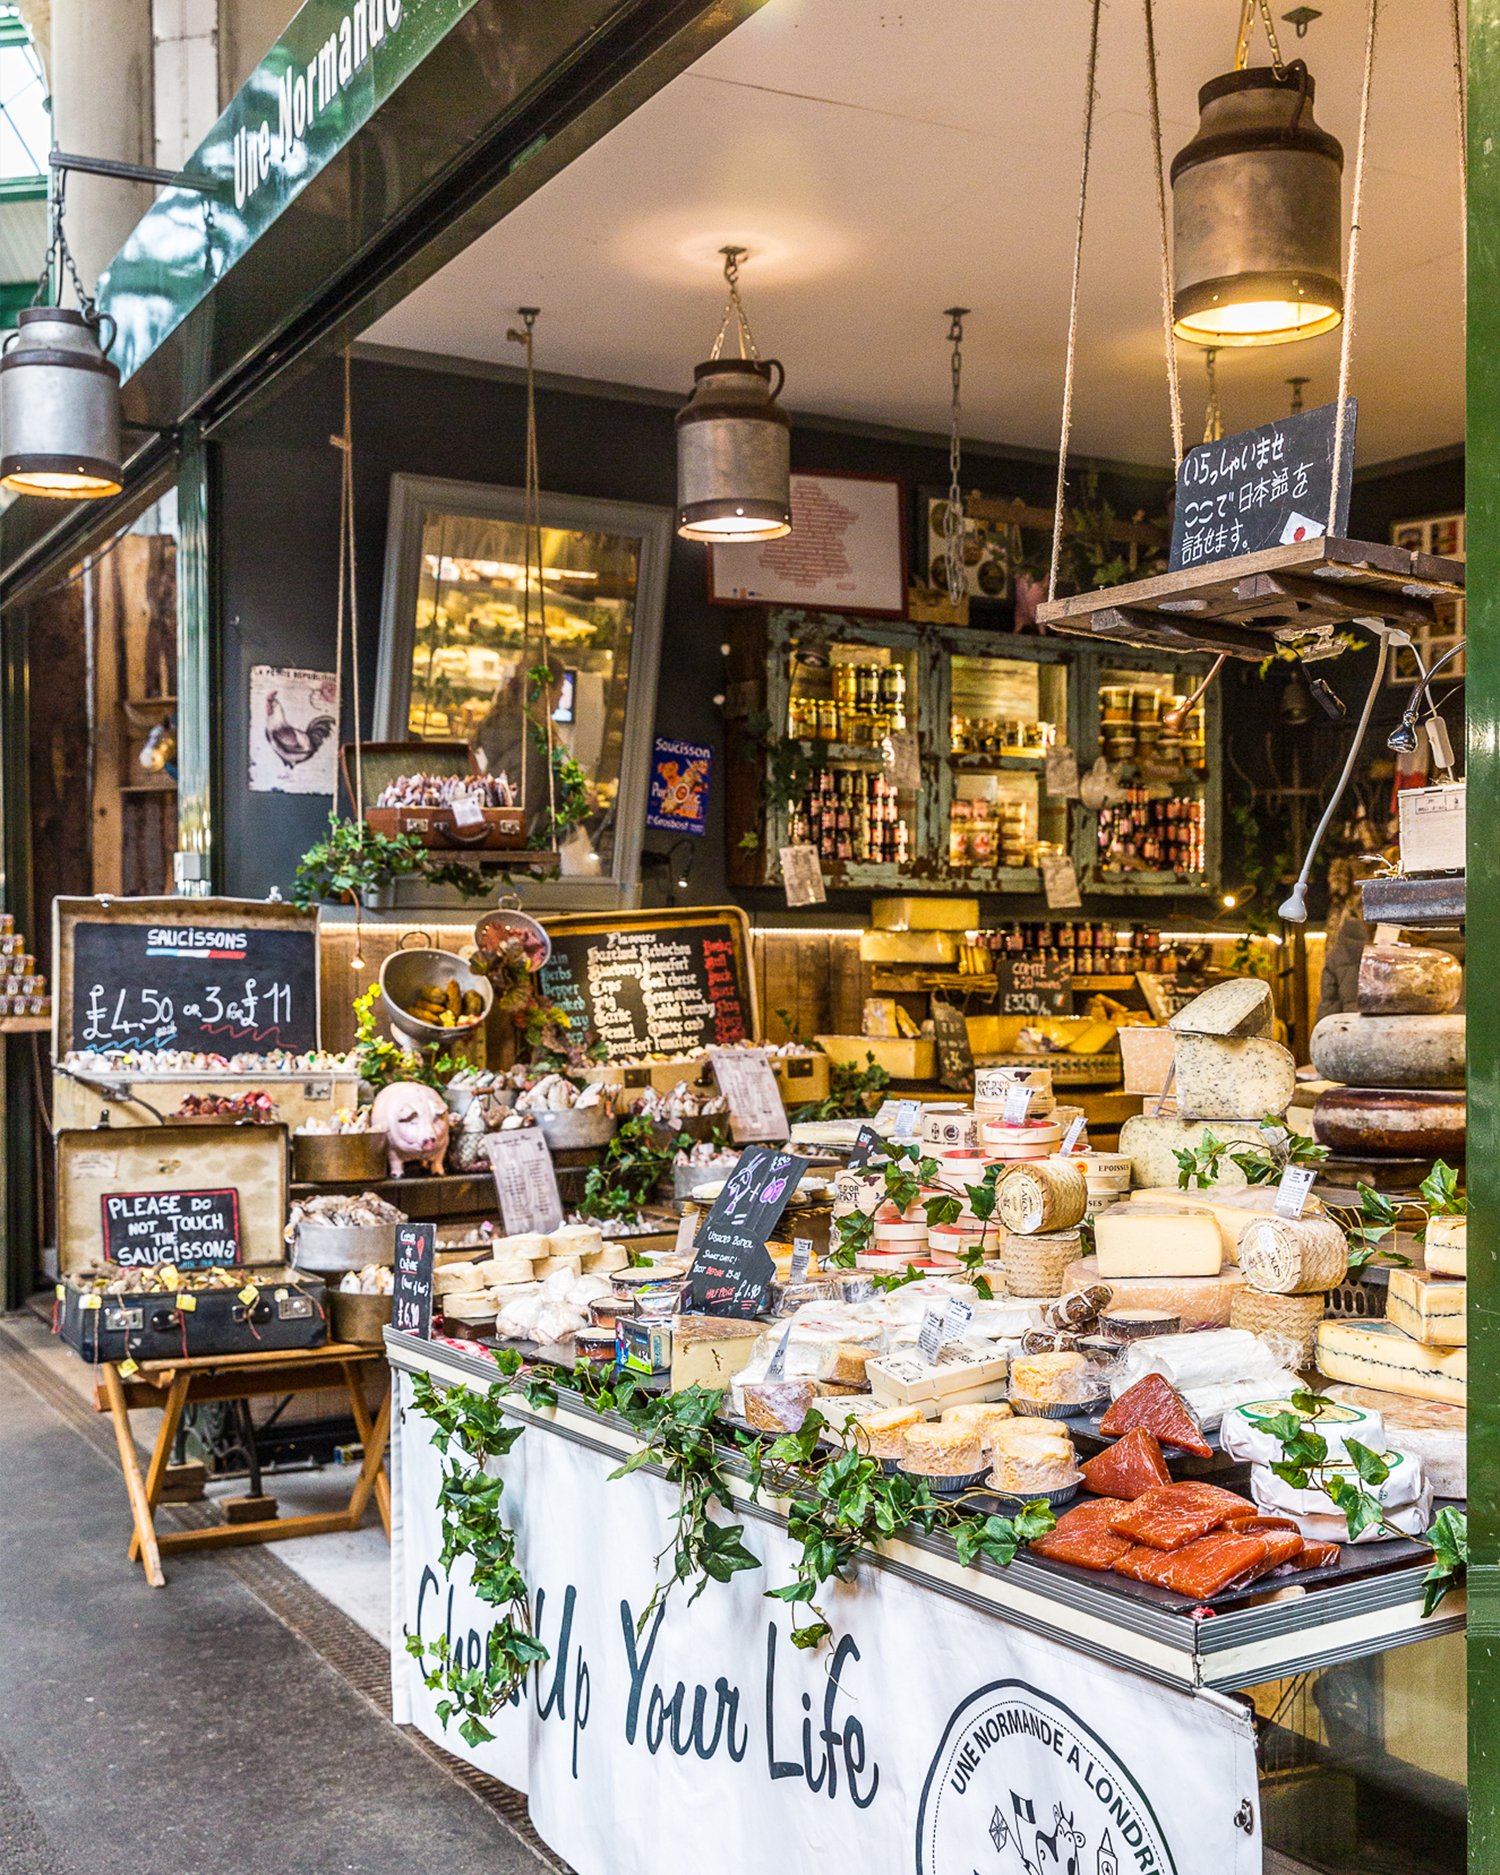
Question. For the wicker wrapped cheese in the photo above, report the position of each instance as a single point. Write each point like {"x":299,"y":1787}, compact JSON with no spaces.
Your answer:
{"x":1038,"y":1266}
{"x":1042,"y":1195}
{"x":1283,"y":1256}
{"x":1294,"y":1318}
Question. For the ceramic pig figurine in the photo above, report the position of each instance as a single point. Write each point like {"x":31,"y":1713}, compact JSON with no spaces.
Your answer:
{"x":415,"y":1121}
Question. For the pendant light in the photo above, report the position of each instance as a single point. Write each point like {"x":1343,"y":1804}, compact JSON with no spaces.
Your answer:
{"x":734,"y":441}
{"x":1257,"y":208}
{"x":59,"y":393}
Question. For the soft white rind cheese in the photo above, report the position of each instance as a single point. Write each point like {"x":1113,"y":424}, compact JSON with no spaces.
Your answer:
{"x":1227,"y":1079}
{"x":1378,"y":1354}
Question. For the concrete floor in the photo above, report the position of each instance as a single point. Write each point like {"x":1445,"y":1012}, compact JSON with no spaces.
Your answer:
{"x":192,"y":1730}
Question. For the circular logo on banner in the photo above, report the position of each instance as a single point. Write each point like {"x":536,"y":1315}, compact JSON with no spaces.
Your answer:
{"x":1021,"y":1786}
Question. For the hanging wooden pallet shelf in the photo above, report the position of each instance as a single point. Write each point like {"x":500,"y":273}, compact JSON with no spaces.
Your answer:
{"x":1245,"y":606}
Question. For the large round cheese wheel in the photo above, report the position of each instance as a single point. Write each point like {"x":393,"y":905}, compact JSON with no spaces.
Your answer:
{"x":1412,"y":1123}
{"x":1284,"y":1256}
{"x":1197,"y":1301}
{"x":1390,"y":1051}
{"x":1408,"y":980}
{"x":1049,"y":1195}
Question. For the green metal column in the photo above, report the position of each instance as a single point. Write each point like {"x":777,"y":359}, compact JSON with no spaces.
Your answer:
{"x":18,"y":1194}
{"x":1484,"y":932}
{"x":197,"y":689}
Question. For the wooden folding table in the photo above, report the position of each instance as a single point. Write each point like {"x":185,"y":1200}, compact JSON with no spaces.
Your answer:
{"x":171,"y":1385}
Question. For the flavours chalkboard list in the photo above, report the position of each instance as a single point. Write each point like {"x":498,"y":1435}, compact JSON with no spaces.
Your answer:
{"x":192,"y":1229}
{"x":676,"y":990}
{"x":232,"y":991}
{"x":732,"y":1268}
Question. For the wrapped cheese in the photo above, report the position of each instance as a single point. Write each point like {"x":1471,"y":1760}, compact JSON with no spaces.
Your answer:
{"x":941,"y":1450}
{"x":1283,"y":1256}
{"x":879,"y":1434}
{"x":1408,"y":980}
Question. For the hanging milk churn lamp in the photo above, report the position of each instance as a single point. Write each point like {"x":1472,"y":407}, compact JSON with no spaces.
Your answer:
{"x":59,"y":393}
{"x":1257,"y":209}
{"x":734,"y":441}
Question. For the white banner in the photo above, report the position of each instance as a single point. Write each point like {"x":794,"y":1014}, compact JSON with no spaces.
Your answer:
{"x":926,"y":1729}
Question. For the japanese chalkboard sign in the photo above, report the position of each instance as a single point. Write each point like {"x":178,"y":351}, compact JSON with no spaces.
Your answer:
{"x":158,"y":974}
{"x":411,"y":1292}
{"x":1262,"y":488}
{"x":651,"y":983}
{"x":192,"y":1229}
{"x":955,"y":1057}
{"x":1034,"y":986}
{"x":732,"y":1268}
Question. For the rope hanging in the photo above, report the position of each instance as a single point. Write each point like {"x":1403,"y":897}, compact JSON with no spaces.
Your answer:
{"x":1461,"y":104}
{"x":1346,"y":338}
{"x":1067,"y":407}
{"x":348,"y":588}
{"x":1169,"y":341}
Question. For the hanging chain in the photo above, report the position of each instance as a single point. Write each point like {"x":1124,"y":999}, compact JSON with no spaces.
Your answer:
{"x":532,"y":556}
{"x":1213,"y":416}
{"x":733,"y":309}
{"x":1250,"y":11}
{"x":954,"y":526}
{"x":57,"y":247}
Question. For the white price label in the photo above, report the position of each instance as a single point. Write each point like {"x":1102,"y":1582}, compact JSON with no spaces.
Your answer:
{"x":1291,"y":1194}
{"x":930,"y":1335}
{"x":467,"y":812}
{"x":1387,"y":934}
{"x":778,"y":1359}
{"x":1074,"y":1133}
{"x":802,"y":1249}
{"x":1017,"y":1108}
{"x":908,"y":1118}
{"x":956,"y":1318}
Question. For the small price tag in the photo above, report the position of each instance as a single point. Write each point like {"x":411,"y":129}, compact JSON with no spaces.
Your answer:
{"x":186,"y":1304}
{"x":1387,"y":934}
{"x":62,"y":1290}
{"x":930,"y":1336}
{"x":908,"y":1119}
{"x":127,"y":1368}
{"x":281,"y":1295}
{"x":1074,"y":1133}
{"x":1017,"y":1106}
{"x":169,"y":1276}
{"x":467,"y":812}
{"x":1291,"y":1194}
{"x":89,"y":1303}
{"x":249,"y":1294}
{"x":687,"y":1228}
{"x":1060,"y":774}
{"x":956,"y":1318}
{"x":802,"y":1249}
{"x":778,"y":1359}
{"x":802,"y":876}
{"x":1060,"y":883}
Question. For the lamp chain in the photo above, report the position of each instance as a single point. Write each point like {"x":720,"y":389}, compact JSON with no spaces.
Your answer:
{"x":1169,"y":342}
{"x":954,"y":526}
{"x":1250,"y":11}
{"x":57,"y":247}
{"x":532,"y":557}
{"x":1213,"y":415}
{"x":733,"y":309}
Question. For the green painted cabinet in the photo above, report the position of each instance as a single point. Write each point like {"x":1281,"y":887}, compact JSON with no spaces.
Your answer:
{"x":916,"y":755}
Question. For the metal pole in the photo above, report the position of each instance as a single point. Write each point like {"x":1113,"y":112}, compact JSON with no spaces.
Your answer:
{"x":196,"y":689}
{"x":1483,"y":929}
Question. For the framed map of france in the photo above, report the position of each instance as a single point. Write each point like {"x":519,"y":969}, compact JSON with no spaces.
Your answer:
{"x":846,"y":551}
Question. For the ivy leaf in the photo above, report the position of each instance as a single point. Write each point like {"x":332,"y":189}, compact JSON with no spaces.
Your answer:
{"x":812,"y":1636}
{"x":473,"y":1733}
{"x":1440,"y":1192}
{"x":1372,"y":1468}
{"x":943,"y":1210}
{"x":1361,"y":1511}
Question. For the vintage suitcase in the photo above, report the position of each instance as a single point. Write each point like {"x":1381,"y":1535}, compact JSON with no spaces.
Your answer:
{"x":499,"y":829}
{"x":263,"y":1308}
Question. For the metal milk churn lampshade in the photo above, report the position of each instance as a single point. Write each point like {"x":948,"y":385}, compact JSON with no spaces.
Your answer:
{"x":734,"y":441}
{"x":59,"y":408}
{"x":1257,"y":214}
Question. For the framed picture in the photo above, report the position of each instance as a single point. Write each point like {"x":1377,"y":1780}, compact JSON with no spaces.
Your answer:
{"x":846,"y":551}
{"x":986,"y":550}
{"x":1442,"y":535}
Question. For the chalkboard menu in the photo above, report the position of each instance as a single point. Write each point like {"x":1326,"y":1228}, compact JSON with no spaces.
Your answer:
{"x":192,"y":1229}
{"x":955,"y":1058}
{"x":230,"y":990}
{"x":646,"y":989}
{"x":732,"y":1268}
{"x":1262,"y":488}
{"x":1034,"y":986}
{"x":411,"y":1287}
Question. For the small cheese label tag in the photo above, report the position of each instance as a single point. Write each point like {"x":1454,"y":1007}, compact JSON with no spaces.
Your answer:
{"x":1017,"y":1104}
{"x":62,"y":1290}
{"x":186,"y":1304}
{"x":1387,"y":934}
{"x":169,"y":1275}
{"x":908,"y":1116}
{"x":956,"y":1318}
{"x":1074,"y":1133}
{"x":687,"y":1228}
{"x":778,"y":1359}
{"x":127,"y":1368}
{"x":930,"y":1335}
{"x":248,"y":1294}
{"x":1291,"y":1194}
{"x":89,"y":1302}
{"x":467,"y":812}
{"x":802,"y":1249}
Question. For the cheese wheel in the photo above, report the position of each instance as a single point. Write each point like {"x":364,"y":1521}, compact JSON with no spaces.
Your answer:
{"x":1226,"y":1078}
{"x":940,"y":1449}
{"x":1408,"y":980}
{"x":1284,"y":1256}
{"x":1047,"y":1195}
{"x":1054,"y":1379}
{"x":1196,"y":1301}
{"x":1408,"y":1123}
{"x":1294,"y":1318}
{"x":1390,"y":1051}
{"x":575,"y":1240}
{"x":946,"y":1125}
{"x":879,"y":1435}
{"x":525,"y":1244}
{"x":1445,"y":1246}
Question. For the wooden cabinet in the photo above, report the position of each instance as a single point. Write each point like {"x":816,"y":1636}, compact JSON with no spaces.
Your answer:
{"x":916,"y":755}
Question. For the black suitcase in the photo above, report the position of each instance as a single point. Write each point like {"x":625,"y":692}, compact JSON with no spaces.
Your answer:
{"x":104,"y":1322}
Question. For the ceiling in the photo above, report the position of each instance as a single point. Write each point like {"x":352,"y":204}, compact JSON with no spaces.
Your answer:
{"x":882,"y":162}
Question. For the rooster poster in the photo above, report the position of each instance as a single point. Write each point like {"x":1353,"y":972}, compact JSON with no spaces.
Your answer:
{"x":294,"y":740}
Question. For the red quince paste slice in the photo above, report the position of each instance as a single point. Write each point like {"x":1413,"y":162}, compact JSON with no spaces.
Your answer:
{"x":1171,"y":1515}
{"x":1213,"y":1564}
{"x":1129,"y":1468}
{"x":1155,"y":1404}
{"x":1083,"y":1536}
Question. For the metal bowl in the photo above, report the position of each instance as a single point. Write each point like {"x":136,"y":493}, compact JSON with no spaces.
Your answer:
{"x":405,"y":972}
{"x":338,"y":1158}
{"x":573,"y":1129}
{"x":343,"y":1246}
{"x":358,"y":1318}
{"x":505,"y":922}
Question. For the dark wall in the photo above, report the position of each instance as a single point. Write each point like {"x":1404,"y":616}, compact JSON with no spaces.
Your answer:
{"x":278,"y":505}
